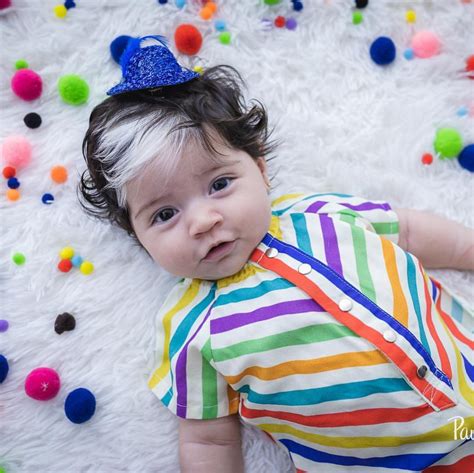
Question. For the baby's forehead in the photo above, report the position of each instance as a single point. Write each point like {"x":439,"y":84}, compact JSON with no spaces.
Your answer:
{"x":161,"y":172}
{"x":193,"y":160}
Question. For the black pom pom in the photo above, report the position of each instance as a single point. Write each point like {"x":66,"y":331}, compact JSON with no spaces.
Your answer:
{"x":64,"y":322}
{"x":361,"y":3}
{"x":32,"y":120}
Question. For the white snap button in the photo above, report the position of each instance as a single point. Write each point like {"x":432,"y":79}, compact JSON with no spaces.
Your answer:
{"x":271,"y":252}
{"x":345,"y":305}
{"x":304,"y":268}
{"x":390,"y":336}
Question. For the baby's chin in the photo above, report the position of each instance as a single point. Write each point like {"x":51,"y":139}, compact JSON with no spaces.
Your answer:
{"x":222,"y":269}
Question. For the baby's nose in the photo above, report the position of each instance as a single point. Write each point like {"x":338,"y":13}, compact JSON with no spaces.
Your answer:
{"x":203,"y":219}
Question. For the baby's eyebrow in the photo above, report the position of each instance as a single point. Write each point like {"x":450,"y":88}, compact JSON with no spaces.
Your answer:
{"x":216,"y":166}
{"x":149,"y":204}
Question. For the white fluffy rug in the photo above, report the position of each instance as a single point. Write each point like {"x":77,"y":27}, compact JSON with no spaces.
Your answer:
{"x":345,"y":124}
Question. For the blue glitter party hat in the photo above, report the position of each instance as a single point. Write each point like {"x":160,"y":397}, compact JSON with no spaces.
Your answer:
{"x":149,"y":67}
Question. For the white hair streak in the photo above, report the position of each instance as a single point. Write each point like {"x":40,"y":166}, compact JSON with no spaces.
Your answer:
{"x":128,"y":147}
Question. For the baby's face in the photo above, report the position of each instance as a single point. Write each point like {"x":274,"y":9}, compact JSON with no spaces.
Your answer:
{"x":179,"y":220}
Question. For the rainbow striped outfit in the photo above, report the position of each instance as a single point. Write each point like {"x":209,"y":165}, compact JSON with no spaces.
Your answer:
{"x":332,"y":340}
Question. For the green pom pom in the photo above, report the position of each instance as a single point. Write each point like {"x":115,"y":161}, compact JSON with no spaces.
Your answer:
{"x":73,"y":89}
{"x":272,"y":2}
{"x":357,"y":17}
{"x":19,"y":258}
{"x":20,"y":64}
{"x":2,"y":470}
{"x":448,"y":143}
{"x":225,"y":37}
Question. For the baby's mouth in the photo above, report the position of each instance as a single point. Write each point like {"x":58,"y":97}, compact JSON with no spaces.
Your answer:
{"x":219,"y":251}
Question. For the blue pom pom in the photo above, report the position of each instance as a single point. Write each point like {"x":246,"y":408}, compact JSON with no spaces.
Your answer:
{"x":220,"y":25}
{"x":180,"y":3}
{"x":382,"y":51}
{"x":47,"y":198}
{"x":13,"y":183}
{"x":408,"y":54}
{"x":3,"y":368}
{"x":80,"y":405}
{"x":297,"y":6}
{"x":466,"y":158}
{"x":117,"y":47}
{"x":76,"y":261}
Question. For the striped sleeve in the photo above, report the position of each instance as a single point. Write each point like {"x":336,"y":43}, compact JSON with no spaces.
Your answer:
{"x":184,"y":378}
{"x":374,"y":215}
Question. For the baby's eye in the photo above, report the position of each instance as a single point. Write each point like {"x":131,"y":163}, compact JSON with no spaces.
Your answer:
{"x":163,"y":215}
{"x":221,"y":183}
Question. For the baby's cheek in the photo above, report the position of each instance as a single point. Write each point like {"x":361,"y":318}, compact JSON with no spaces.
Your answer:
{"x":173,"y":258}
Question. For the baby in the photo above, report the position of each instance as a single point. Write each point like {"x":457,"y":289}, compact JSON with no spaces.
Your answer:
{"x":309,"y":316}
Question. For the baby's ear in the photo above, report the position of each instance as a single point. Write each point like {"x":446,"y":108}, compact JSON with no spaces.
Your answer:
{"x":262,"y":165}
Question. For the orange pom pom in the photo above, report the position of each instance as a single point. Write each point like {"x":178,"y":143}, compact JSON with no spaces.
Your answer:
{"x":59,"y":174}
{"x":212,"y":6}
{"x":205,"y":13}
{"x":13,"y":194}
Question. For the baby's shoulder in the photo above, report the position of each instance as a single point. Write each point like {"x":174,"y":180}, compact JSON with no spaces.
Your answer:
{"x":187,"y":295}
{"x":376,"y":216}
{"x":304,"y":202}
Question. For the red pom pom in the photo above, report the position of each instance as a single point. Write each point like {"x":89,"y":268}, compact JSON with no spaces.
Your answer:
{"x":188,"y":39}
{"x":65,"y":265}
{"x":27,"y":84}
{"x":427,"y":158}
{"x":470,"y":66}
{"x":280,"y":21}
{"x":9,"y":171}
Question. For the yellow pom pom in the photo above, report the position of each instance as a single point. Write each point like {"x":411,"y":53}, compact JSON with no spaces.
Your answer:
{"x":66,"y":253}
{"x":86,"y":268}
{"x":60,"y":11}
{"x":410,"y":16}
{"x":198,"y":69}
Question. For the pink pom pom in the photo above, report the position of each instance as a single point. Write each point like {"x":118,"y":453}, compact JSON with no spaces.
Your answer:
{"x":425,"y":44}
{"x":42,"y":384}
{"x":16,"y":151}
{"x":27,"y":84}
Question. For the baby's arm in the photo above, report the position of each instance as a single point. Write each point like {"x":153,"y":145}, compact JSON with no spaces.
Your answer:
{"x":436,"y":241}
{"x":207,"y":446}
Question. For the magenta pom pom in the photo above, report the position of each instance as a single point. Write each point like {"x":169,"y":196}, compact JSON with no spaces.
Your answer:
{"x":16,"y":151}
{"x":42,"y":384}
{"x":425,"y":44}
{"x":27,"y":84}
{"x":5,"y":4}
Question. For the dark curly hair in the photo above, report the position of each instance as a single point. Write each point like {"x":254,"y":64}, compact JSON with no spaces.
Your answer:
{"x":212,"y":102}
